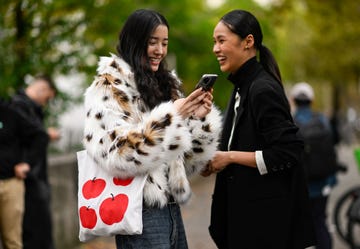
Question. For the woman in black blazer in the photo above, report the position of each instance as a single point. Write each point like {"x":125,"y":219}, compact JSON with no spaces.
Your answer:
{"x":260,"y":198}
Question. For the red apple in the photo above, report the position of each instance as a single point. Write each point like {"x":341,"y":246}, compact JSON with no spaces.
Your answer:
{"x":112,"y":209}
{"x":88,"y":217}
{"x":93,"y":188}
{"x":122,"y":182}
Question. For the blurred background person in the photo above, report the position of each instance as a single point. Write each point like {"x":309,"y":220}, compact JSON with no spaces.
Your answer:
{"x":320,"y":162}
{"x":37,"y":226}
{"x":15,"y":132}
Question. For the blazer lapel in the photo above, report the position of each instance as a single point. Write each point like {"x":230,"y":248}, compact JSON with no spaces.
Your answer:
{"x":228,"y":117}
{"x":240,"y":108}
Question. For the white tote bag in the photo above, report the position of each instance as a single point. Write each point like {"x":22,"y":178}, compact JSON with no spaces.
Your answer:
{"x":107,"y":205}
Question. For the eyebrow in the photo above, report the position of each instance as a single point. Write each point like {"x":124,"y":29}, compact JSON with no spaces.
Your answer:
{"x":157,"y":38}
{"x":219,"y":36}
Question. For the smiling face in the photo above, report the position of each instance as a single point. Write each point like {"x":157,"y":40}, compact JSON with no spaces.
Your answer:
{"x":231,"y":51}
{"x":157,"y":46}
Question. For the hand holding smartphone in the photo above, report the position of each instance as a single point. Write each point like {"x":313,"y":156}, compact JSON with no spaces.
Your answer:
{"x":206,"y":82}
{"x":192,"y":104}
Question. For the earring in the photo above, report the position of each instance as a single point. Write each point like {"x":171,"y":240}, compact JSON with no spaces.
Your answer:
{"x":246,"y":47}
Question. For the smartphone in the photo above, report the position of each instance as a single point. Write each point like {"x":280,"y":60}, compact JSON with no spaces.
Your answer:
{"x":206,"y":82}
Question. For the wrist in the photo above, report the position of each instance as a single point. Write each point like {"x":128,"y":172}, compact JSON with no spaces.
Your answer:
{"x":231,"y":157}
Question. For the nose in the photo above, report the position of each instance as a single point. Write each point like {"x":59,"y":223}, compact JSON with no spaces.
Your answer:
{"x":159,"y":49}
{"x":216,"y":48}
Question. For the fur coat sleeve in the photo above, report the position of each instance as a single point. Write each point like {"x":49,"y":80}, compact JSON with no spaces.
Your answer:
{"x":205,"y":133}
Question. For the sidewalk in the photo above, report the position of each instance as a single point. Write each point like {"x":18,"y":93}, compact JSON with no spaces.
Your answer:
{"x":196,"y":213}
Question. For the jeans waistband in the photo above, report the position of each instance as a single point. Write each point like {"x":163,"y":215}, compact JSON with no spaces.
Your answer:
{"x":171,"y":201}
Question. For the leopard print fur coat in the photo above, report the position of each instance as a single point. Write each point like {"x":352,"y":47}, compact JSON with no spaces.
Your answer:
{"x":126,"y":139}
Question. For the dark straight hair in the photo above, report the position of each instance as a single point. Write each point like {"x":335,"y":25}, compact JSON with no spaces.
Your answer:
{"x":154,"y":87}
{"x":48,"y":80}
{"x":243,"y":23}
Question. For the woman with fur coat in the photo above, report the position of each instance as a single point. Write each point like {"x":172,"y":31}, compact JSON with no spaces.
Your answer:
{"x":138,"y":122}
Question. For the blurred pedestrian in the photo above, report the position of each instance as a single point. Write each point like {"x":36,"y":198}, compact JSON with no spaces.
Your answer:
{"x":30,"y":103}
{"x":320,"y":162}
{"x":138,"y":122}
{"x":15,"y":132}
{"x":260,"y":198}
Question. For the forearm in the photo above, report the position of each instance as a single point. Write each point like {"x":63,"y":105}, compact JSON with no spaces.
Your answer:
{"x":224,"y":158}
{"x":242,"y":157}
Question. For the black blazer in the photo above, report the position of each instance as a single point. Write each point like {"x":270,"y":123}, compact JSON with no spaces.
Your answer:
{"x":250,"y":210}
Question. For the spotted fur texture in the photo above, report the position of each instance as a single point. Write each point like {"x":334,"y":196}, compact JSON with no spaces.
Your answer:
{"x":127,"y":139}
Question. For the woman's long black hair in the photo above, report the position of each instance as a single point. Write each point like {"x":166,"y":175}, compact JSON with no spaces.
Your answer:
{"x":154,"y":87}
{"x":243,"y":23}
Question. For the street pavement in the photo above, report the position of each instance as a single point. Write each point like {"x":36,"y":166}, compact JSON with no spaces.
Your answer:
{"x":345,"y":181}
{"x":196,"y":213}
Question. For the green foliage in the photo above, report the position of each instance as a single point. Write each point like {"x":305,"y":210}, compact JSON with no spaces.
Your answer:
{"x":67,"y":37}
{"x":310,"y":39}
{"x":336,"y":40}
{"x":320,"y":39}
{"x":39,"y":36}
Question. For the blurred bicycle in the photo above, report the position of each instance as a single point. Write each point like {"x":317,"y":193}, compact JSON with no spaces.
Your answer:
{"x":347,"y":213}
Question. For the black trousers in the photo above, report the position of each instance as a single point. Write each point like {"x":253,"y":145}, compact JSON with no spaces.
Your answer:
{"x":318,"y":208}
{"x":37,"y":224}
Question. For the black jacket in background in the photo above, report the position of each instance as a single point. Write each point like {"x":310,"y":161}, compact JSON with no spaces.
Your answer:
{"x":37,"y":224}
{"x":15,"y":133}
{"x":34,"y":114}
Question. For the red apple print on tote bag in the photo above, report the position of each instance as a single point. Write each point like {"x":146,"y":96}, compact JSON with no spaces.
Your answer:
{"x":122,"y":182}
{"x":112,"y":209}
{"x":93,"y":188}
{"x":88,"y":217}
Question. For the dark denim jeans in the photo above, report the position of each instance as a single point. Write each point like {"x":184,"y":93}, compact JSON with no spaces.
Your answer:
{"x":162,"y":229}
